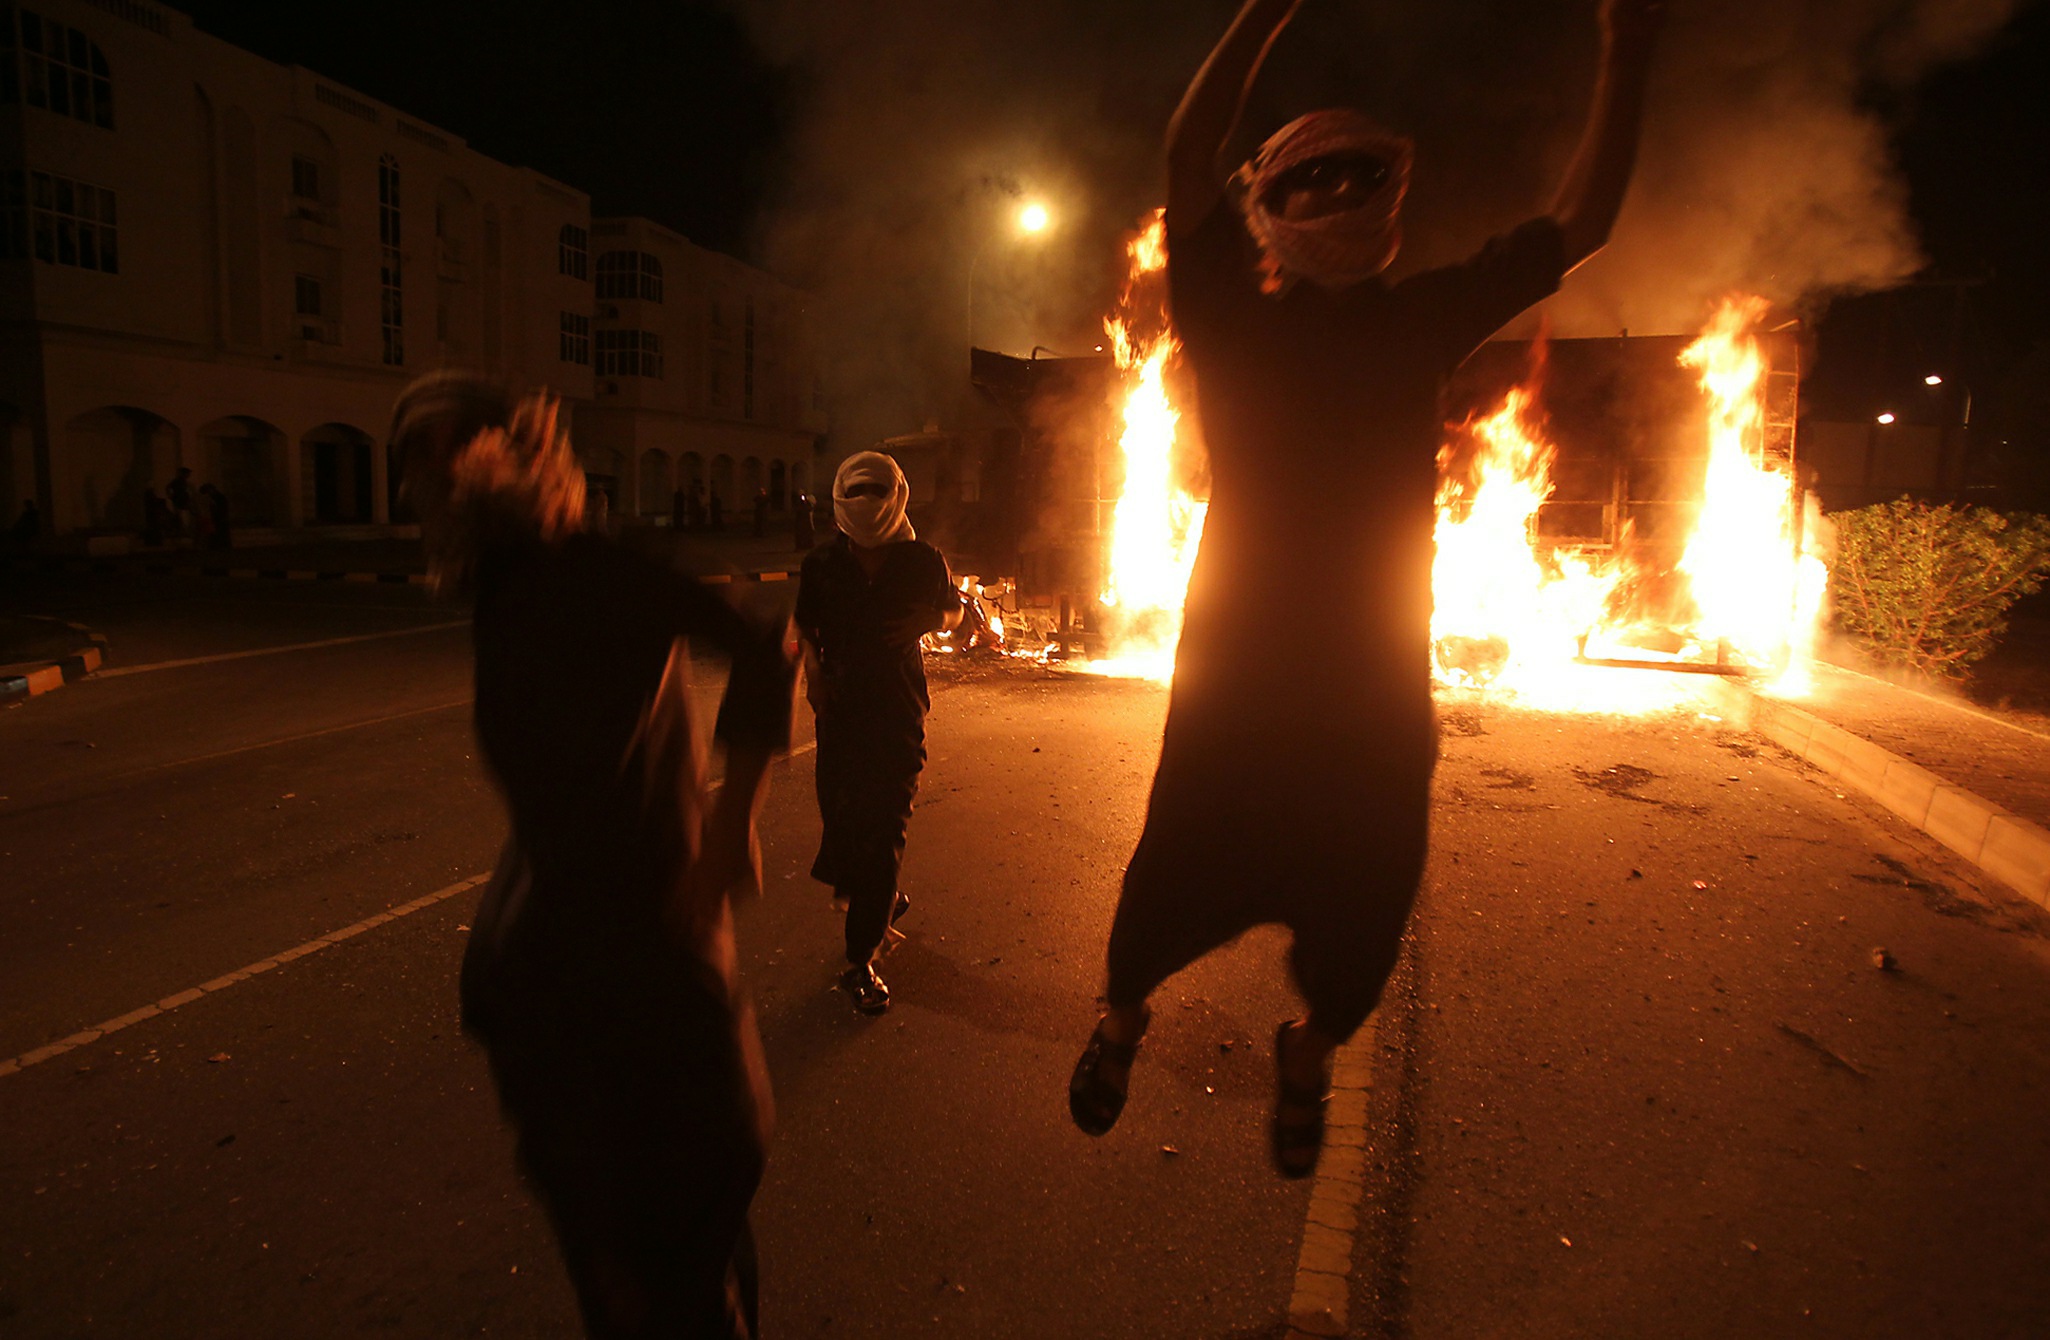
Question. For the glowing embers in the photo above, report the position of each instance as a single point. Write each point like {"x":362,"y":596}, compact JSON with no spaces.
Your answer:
{"x":1157,"y":524}
{"x":1549,"y":623}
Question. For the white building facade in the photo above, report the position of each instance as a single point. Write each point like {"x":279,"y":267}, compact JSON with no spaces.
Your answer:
{"x":212,"y":261}
{"x":703,"y":375}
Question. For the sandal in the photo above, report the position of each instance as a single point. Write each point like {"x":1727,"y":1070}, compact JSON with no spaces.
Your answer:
{"x":866,"y":986}
{"x":1297,"y":1143}
{"x":1093,"y":1101}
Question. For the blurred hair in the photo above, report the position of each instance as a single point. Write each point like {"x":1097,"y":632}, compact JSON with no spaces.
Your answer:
{"x":483,"y":471}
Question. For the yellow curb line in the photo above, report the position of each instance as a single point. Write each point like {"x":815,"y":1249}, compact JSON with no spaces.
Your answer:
{"x":1323,"y":1274}
{"x":221,"y":983}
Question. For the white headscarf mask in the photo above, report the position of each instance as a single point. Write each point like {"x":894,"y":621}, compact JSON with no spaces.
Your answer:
{"x":1340,"y":249}
{"x":868,"y":521}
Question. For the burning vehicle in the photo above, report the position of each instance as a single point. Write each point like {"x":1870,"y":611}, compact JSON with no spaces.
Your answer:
{"x":1634,"y":502}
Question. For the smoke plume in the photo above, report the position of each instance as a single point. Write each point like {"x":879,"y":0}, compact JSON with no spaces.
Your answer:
{"x":925,"y":122}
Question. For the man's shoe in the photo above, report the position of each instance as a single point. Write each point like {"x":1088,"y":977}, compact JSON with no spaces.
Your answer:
{"x":866,"y":988}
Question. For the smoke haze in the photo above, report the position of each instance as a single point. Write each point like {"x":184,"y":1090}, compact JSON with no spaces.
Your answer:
{"x":924,"y":123}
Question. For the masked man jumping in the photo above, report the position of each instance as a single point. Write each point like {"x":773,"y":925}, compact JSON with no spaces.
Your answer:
{"x":1297,"y":790}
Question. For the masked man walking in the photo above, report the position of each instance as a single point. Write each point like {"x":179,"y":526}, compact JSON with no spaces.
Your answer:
{"x":864,"y":599}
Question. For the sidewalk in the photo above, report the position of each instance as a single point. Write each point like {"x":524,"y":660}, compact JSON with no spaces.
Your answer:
{"x":1974,"y":780}
{"x":729,"y":554}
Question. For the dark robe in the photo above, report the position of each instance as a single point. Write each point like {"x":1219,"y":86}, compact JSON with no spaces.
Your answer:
{"x":1295,"y":768}
{"x":628,"y":1064}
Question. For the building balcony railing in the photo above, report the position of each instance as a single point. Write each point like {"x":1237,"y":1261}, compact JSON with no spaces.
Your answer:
{"x":321,"y":331}
{"x":313,"y":221}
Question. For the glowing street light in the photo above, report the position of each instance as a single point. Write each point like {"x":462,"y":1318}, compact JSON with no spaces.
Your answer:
{"x":1886,"y":417}
{"x":1031,"y":220}
{"x":1932,"y":380}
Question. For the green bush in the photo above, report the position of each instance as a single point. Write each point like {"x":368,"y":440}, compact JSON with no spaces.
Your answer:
{"x":1929,"y":587}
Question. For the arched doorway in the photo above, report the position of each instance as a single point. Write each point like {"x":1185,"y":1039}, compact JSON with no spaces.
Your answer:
{"x":690,"y":470}
{"x":604,"y":474}
{"x":750,"y":479}
{"x":110,"y":456}
{"x":244,"y":457}
{"x":722,"y":479}
{"x":397,"y":508}
{"x":335,"y":480}
{"x":655,"y":484}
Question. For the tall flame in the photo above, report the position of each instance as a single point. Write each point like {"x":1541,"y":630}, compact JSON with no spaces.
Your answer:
{"x":1757,"y":584}
{"x":1157,"y":524}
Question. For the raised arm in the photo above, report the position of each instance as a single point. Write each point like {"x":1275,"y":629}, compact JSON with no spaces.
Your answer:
{"x":1209,"y":112}
{"x":1592,"y":193}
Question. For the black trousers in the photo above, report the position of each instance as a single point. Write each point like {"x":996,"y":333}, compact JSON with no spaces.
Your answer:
{"x":868,"y":768}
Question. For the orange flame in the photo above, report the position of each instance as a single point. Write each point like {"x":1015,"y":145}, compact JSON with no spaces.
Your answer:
{"x":1157,"y":524}
{"x":1757,"y":589}
{"x":1501,"y":613}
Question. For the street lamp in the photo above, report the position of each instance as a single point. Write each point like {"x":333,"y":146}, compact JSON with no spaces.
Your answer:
{"x":1932,"y":380}
{"x":1031,"y":220}
{"x":1886,"y":417}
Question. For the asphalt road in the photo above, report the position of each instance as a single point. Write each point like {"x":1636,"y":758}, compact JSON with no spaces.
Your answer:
{"x":1639,"y":1074}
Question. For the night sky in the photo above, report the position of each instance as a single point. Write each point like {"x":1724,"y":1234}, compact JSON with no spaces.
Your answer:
{"x":791,"y":132}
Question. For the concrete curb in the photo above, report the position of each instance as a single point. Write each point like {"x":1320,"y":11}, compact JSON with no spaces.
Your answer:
{"x":2006,"y":846}
{"x":32,"y":679}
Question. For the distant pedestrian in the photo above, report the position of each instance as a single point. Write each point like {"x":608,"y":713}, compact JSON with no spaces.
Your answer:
{"x":178,"y":493}
{"x":864,"y":599}
{"x":802,"y":528}
{"x":718,"y":511}
{"x":679,"y":509}
{"x":217,"y":536}
{"x":600,"y":976}
{"x":761,"y":513}
{"x":697,"y":504}
{"x":27,"y":526}
{"x":1294,"y":789}
{"x":156,"y":518}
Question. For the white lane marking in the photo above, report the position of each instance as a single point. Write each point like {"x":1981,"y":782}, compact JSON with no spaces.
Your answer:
{"x":226,"y":980}
{"x":117,"y":671}
{"x":1323,"y":1272}
{"x":222,"y":983}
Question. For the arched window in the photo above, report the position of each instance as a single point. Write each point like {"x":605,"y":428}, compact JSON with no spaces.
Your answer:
{"x":627,"y":275}
{"x":573,"y":252}
{"x":391,"y":308}
{"x":65,"y":72}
